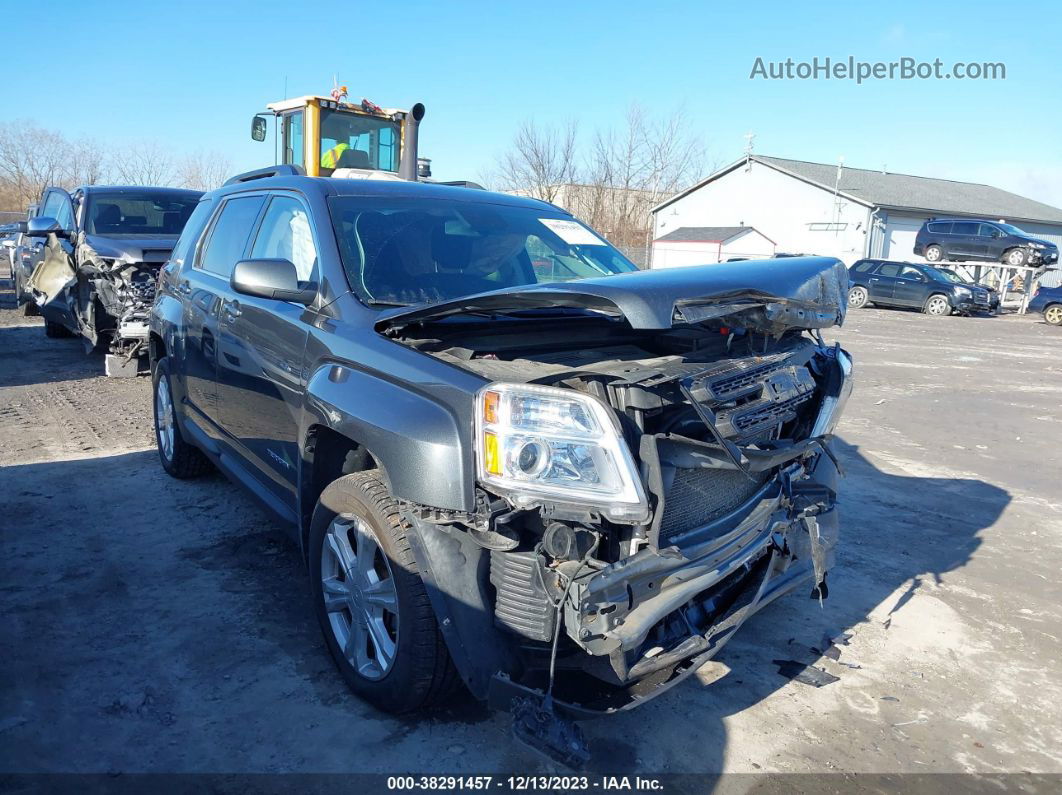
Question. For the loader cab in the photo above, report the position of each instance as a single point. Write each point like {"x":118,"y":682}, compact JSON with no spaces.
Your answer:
{"x":321,"y":135}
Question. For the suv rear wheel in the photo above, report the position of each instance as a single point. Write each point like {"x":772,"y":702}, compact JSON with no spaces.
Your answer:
{"x":1016,"y":257}
{"x":178,"y":458}
{"x":937,"y":305}
{"x":370,"y":600}
{"x":934,"y":253}
{"x":857,"y":297}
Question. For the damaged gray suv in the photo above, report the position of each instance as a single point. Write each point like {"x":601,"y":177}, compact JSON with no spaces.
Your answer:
{"x":510,"y":459}
{"x":94,"y":262}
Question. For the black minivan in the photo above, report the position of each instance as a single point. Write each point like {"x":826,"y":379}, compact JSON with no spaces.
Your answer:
{"x":959,"y":239}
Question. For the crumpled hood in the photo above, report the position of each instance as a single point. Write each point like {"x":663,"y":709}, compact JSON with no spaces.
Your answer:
{"x":770,"y":296}
{"x":133,"y":249}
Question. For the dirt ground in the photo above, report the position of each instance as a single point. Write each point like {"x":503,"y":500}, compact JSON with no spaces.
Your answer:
{"x":157,"y":625}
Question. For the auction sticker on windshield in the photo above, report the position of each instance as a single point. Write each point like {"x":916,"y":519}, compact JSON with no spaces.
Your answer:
{"x":572,"y":233}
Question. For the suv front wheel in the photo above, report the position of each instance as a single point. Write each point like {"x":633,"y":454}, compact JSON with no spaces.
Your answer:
{"x":937,"y":305}
{"x":1016,"y":257}
{"x":370,"y":600}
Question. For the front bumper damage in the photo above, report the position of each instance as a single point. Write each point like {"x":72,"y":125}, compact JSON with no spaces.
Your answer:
{"x":638,"y":626}
{"x":697,"y":594}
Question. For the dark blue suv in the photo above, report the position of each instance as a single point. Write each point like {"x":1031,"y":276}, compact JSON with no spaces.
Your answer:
{"x":935,"y":291}
{"x":960,"y":239}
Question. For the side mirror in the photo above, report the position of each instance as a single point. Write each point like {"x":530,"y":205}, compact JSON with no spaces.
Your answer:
{"x":42,"y":226}
{"x":258,"y":128}
{"x":275,"y":279}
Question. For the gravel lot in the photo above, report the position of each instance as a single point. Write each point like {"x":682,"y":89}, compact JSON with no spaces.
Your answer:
{"x":156,"y":625}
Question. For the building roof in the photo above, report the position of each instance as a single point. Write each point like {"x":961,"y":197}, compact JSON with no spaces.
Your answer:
{"x":704,"y":234}
{"x":904,"y":191}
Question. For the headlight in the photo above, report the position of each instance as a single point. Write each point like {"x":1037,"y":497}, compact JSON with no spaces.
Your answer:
{"x":964,"y":292}
{"x":1037,"y":245}
{"x":538,"y":442}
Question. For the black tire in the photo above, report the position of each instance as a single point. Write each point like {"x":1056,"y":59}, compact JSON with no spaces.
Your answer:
{"x":422,"y":674}
{"x":183,"y":461}
{"x":1015,"y":257}
{"x":858,"y":297}
{"x":937,"y":305}
{"x":55,"y":330}
{"x":934,"y":253}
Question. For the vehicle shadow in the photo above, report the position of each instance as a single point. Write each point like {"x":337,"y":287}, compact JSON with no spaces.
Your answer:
{"x":189,"y":641}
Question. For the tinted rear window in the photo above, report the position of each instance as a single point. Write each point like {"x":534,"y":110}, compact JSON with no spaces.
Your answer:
{"x":940,"y":227}
{"x":964,"y":228}
{"x":888,"y":269}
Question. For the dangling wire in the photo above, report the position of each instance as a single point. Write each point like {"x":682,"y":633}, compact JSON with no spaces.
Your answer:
{"x":558,"y":606}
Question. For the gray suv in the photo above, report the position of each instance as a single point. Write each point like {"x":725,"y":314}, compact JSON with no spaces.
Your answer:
{"x":510,"y":459}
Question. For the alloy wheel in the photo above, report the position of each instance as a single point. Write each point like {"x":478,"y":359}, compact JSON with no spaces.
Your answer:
{"x":933,"y":253}
{"x":164,"y":417}
{"x":937,"y":305}
{"x":857,"y":297}
{"x":360,"y":596}
{"x":1053,"y":315}
{"x":1016,"y":257}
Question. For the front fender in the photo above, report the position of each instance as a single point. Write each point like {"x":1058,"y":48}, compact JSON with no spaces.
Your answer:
{"x":422,"y":445}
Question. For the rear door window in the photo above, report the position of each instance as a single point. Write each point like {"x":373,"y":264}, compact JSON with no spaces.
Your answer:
{"x":964,"y":228}
{"x":889,"y":270}
{"x":229,"y":235}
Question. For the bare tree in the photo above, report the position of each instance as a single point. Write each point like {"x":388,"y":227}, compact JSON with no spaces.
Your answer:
{"x":31,"y":159}
{"x":541,"y":160}
{"x":204,"y":170}
{"x":628,"y":168}
{"x":145,"y":163}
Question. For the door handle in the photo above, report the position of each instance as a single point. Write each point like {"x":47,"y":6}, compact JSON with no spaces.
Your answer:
{"x":231,"y":309}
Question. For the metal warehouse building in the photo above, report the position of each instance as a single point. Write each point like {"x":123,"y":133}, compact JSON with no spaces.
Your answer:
{"x":848,"y":213}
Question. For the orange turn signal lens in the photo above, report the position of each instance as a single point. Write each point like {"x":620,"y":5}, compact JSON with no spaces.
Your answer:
{"x":491,"y":400}
{"x":491,"y":458}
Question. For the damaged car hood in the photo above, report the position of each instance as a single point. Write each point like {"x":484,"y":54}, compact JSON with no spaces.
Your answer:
{"x":769,"y":296}
{"x":132,"y":249}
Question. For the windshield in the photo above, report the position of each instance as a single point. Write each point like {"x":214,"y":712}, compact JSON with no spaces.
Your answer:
{"x":350,"y":140}
{"x":140,"y":214}
{"x":408,"y":251}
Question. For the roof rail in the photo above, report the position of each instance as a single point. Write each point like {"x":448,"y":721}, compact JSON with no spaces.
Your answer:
{"x":268,"y":171}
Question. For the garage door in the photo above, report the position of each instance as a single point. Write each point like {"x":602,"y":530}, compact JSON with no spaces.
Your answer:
{"x":900,"y":237}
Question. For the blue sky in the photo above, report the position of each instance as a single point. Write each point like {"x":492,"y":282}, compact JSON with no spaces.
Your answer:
{"x":192,"y":74}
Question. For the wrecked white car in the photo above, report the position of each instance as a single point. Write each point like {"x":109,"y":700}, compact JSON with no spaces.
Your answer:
{"x":95,"y":256}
